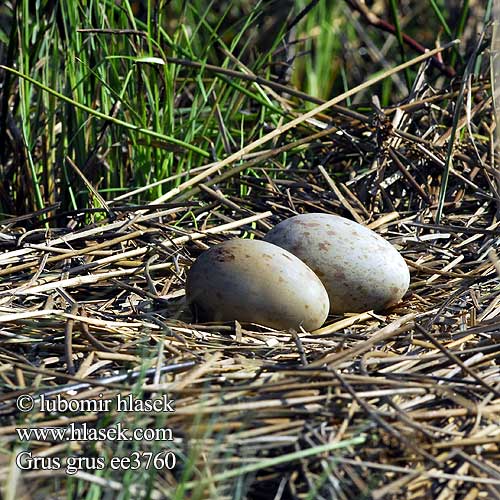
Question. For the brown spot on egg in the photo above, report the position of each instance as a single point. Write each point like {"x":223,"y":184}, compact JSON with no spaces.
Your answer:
{"x":286,"y":256}
{"x":324,"y":245}
{"x":308,"y":224}
{"x":223,"y":255}
{"x":339,"y":274}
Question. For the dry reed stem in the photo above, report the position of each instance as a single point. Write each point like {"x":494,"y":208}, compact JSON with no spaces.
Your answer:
{"x":420,"y":381}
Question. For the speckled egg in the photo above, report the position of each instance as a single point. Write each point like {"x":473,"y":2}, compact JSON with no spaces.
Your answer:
{"x":360,"y":270}
{"x":257,"y":282}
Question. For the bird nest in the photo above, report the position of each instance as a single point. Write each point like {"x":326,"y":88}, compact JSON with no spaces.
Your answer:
{"x":403,"y":402}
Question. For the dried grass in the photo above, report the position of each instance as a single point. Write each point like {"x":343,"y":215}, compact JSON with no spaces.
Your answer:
{"x":411,"y":396}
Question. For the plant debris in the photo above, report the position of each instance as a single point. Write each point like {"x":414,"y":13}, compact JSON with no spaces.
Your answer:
{"x":371,"y":404}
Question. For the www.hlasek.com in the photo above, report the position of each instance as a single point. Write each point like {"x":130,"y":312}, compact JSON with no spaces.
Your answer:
{"x":85,"y":432}
{"x":76,"y":431}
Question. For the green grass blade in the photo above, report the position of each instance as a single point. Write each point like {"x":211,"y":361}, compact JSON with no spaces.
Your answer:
{"x":282,"y":459}
{"x":103,"y":116}
{"x":399,"y":36}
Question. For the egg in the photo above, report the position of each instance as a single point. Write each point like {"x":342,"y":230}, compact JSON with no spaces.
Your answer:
{"x":360,"y":270}
{"x":257,"y":282}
